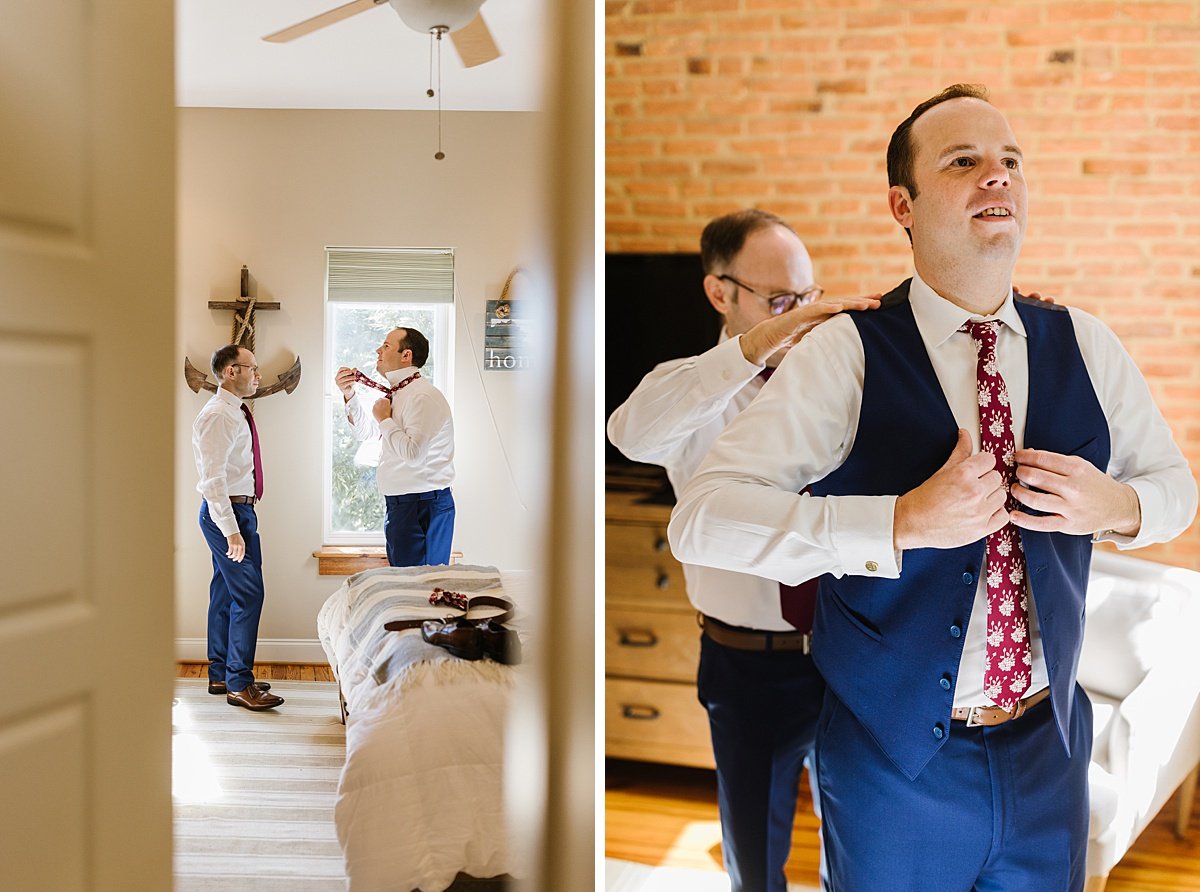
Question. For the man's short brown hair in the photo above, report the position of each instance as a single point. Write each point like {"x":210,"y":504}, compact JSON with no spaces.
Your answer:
{"x":901,"y":152}
{"x":223,"y":357}
{"x":724,"y":237}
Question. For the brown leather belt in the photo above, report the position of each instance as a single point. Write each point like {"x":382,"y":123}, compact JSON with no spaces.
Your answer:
{"x":986,"y":716}
{"x":242,"y":500}
{"x":750,"y":639}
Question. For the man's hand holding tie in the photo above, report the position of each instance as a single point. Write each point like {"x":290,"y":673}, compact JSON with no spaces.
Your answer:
{"x":1075,"y":496}
{"x":962,"y":502}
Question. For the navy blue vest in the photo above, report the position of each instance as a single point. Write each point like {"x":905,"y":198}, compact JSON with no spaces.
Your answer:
{"x":886,"y":645}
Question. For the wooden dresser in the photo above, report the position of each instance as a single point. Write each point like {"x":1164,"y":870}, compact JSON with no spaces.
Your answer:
{"x":651,"y":638}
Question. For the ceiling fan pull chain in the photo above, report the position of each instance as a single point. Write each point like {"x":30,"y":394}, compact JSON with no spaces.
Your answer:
{"x":429,"y":92}
{"x":439,"y":154}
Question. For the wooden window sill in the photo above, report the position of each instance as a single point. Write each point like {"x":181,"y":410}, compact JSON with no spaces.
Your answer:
{"x":346,"y":560}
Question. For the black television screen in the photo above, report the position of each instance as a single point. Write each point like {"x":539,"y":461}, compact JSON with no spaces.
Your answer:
{"x":654,"y":310}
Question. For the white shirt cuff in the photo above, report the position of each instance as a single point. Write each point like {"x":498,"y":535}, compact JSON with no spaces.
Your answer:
{"x":862,"y":535}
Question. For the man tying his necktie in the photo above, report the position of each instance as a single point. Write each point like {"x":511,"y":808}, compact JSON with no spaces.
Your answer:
{"x":229,"y":462}
{"x":416,"y":462}
{"x":963,"y":449}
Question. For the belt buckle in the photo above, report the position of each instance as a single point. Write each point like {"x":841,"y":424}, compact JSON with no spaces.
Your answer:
{"x":973,"y":717}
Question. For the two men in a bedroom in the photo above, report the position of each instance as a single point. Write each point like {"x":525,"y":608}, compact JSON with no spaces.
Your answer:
{"x":229,"y":462}
{"x":416,"y":464}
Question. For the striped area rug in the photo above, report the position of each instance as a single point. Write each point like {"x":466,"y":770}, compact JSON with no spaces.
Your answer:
{"x":254,"y":791}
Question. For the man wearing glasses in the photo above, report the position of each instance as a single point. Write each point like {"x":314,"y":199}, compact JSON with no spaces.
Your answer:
{"x":756,"y":678}
{"x":225,"y":442}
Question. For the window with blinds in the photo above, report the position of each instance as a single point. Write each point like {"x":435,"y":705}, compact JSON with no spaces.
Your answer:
{"x":369,"y":292}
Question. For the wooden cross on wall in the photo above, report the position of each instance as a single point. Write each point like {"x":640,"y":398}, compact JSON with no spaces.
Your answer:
{"x":244,"y":309}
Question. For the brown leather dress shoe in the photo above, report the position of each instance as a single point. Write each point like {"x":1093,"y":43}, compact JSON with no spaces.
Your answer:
{"x":253,"y":698}
{"x":218,"y":687}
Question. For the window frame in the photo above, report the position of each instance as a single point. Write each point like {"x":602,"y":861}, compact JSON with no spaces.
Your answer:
{"x":441,"y":345}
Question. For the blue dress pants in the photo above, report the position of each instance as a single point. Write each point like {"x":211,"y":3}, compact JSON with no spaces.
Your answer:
{"x":235,"y":600}
{"x":999,"y":809}
{"x":762,"y":712}
{"x":418,"y":528}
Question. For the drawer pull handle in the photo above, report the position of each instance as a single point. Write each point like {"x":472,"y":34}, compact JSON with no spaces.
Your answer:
{"x":660,"y":544}
{"x":638,"y":638}
{"x":639,"y":713}
{"x":663,"y":582}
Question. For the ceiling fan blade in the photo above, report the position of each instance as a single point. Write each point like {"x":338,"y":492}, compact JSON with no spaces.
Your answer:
{"x":474,"y":43}
{"x":354,"y":7}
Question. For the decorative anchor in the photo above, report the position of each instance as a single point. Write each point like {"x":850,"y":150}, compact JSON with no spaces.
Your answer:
{"x":243,"y":335}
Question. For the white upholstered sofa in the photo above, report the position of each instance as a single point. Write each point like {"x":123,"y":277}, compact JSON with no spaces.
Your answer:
{"x":1141,"y":668}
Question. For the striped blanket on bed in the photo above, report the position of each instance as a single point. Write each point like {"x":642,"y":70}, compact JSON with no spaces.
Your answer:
{"x":372,"y":663}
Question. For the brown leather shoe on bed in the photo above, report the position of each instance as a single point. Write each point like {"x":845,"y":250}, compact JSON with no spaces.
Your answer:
{"x":253,"y":698}
{"x":218,"y":687}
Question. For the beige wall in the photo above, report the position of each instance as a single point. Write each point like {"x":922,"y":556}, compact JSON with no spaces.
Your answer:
{"x":271,"y":189}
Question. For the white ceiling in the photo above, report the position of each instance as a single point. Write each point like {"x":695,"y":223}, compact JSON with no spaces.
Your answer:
{"x":372,"y":60}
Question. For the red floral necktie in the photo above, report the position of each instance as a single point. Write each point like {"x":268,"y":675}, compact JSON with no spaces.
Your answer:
{"x":258,"y":474}
{"x":1007,"y":662}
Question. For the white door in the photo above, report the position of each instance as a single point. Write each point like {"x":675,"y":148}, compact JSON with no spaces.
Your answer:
{"x":87,"y":373}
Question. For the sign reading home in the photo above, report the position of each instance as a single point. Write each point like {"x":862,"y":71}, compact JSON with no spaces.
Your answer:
{"x":505,"y":342}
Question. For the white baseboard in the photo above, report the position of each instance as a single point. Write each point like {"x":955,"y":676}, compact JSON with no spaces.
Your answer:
{"x":269,"y":650}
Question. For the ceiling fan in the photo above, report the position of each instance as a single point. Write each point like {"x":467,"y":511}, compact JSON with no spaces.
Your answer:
{"x":460,"y":19}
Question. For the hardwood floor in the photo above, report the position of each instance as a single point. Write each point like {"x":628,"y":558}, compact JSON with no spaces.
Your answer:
{"x":266,"y":671}
{"x":666,"y":815}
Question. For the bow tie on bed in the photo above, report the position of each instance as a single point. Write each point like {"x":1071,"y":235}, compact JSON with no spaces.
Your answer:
{"x":464,"y":637}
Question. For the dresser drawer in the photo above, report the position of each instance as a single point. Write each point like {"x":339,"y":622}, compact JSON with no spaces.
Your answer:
{"x":656,"y":722}
{"x":651,"y":643}
{"x":639,"y":571}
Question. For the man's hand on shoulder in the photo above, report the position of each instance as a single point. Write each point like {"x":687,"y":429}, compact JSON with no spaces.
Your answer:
{"x":786,"y":329}
{"x":1075,"y":496}
{"x":1034,"y":295}
{"x":963,"y":501}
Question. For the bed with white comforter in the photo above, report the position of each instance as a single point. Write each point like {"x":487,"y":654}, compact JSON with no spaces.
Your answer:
{"x":421,"y":795}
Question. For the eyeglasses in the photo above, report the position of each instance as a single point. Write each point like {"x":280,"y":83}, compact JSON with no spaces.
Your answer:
{"x":782,"y":301}
{"x":241,"y":365}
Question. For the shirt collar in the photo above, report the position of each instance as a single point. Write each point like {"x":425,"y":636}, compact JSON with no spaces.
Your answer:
{"x":938,"y":318}
{"x":227,"y":396}
{"x":395,"y":376}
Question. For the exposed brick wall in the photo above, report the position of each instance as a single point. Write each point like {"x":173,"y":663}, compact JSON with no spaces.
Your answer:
{"x":712,"y":105}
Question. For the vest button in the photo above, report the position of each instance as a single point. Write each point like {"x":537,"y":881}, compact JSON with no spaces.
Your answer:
{"x":945,"y":682}
{"x":955,"y":632}
{"x":939,"y":732}
{"x":872,"y":566}
{"x":968,"y":579}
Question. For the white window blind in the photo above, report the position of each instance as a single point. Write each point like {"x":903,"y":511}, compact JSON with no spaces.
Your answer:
{"x":390,"y":275}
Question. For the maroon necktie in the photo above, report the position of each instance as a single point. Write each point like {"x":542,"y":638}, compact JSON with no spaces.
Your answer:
{"x":258,"y":475}
{"x":1008,"y":662}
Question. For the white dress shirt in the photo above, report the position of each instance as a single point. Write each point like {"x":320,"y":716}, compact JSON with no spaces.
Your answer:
{"x":224,"y":456}
{"x":417,"y":453}
{"x":671,"y":419}
{"x":741,"y":512}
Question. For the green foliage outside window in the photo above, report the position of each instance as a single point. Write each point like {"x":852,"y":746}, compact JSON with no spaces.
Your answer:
{"x":358,"y":329}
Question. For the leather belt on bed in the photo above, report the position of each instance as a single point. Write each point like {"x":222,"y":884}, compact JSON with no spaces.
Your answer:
{"x":399,"y":625}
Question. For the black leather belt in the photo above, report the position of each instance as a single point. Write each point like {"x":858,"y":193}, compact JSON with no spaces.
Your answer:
{"x":753,"y":639}
{"x":242,"y":500}
{"x":976,"y":716}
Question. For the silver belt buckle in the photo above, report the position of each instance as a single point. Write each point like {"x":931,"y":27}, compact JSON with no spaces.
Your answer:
{"x":806,"y":643}
{"x":973,"y":717}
